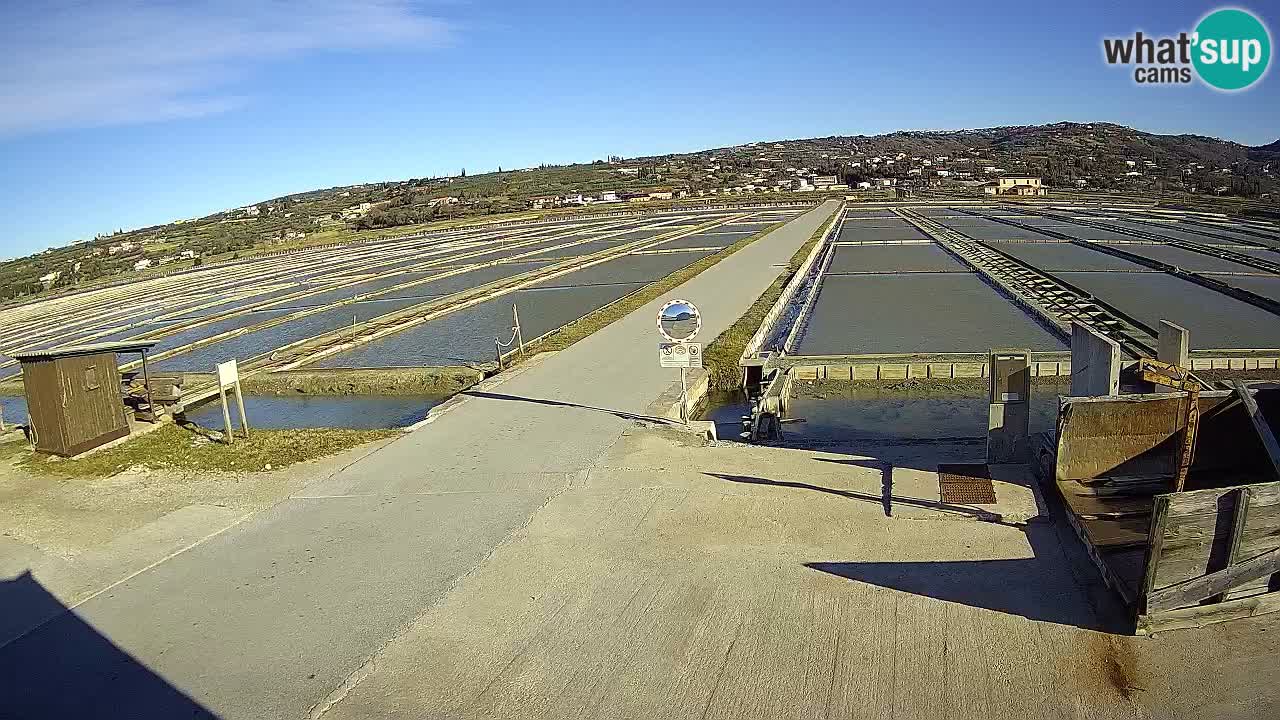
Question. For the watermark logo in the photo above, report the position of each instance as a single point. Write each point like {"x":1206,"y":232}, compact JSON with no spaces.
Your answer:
{"x":1229,"y":50}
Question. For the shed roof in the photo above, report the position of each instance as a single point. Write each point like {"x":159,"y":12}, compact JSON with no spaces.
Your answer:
{"x":73,"y":350}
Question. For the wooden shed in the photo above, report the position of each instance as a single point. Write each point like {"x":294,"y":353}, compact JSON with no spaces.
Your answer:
{"x":73,"y":396}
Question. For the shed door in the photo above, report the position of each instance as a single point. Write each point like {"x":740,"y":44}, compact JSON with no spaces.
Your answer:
{"x":90,"y":409}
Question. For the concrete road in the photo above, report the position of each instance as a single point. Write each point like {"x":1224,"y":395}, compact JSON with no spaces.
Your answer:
{"x":279,"y":615}
{"x":762,"y":583}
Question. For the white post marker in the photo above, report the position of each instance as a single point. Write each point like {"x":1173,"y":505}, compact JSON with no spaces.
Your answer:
{"x":515,"y":317}
{"x":679,"y":321}
{"x":229,"y":380}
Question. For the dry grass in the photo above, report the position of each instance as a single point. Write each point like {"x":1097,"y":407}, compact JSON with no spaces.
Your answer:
{"x":193,"y":449}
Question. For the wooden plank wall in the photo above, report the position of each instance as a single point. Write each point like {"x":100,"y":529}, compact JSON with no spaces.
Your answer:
{"x":94,"y":411}
{"x":1140,"y":435}
{"x":75,"y":403}
{"x":44,"y":405}
{"x":1199,"y":529}
{"x":1127,"y":435}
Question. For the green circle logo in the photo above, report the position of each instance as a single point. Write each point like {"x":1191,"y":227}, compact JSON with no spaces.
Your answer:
{"x":1232,"y":49}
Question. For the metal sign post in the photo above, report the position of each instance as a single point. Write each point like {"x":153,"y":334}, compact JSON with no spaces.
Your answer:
{"x":229,"y":381}
{"x":679,"y":321}
{"x":684,"y":399}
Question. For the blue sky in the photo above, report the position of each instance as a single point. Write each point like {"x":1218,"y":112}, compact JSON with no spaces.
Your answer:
{"x":125,"y":114}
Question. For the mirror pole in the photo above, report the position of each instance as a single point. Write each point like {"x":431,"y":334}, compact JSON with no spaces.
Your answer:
{"x":684,"y":399}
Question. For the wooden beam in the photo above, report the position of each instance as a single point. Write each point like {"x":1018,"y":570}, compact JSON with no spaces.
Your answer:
{"x":1259,"y":425}
{"x":1202,"y":615}
{"x":1155,"y":543}
{"x":1196,"y":589}
{"x":1238,"y":519}
{"x":1190,"y":431}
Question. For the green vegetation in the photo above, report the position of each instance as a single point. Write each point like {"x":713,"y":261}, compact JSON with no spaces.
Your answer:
{"x":1181,"y":169}
{"x":722,"y":355}
{"x":426,"y":381}
{"x":10,"y":451}
{"x":193,"y":449}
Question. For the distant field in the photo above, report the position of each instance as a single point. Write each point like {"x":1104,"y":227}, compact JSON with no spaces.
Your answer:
{"x":464,"y":279}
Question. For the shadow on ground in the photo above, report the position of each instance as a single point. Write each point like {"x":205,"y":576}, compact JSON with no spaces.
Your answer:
{"x":1038,"y":588}
{"x":886,"y":499}
{"x":558,"y":403}
{"x":1051,"y":586}
{"x":65,"y":668}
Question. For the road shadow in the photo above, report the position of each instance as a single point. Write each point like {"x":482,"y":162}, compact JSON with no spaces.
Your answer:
{"x":1026,"y":587}
{"x":65,"y":668}
{"x":559,"y":403}
{"x":1055,"y":585}
{"x":886,"y":499}
{"x":886,"y":478}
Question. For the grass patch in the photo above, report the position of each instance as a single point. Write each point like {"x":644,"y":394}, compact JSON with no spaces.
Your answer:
{"x":722,"y":355}
{"x":190,"y":448}
{"x":12,"y":450}
{"x":601,"y":317}
{"x":429,"y":381}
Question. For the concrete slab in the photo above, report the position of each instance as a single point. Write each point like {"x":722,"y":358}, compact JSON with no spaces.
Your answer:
{"x":1264,"y":253}
{"x":463,"y":281}
{"x":467,"y":336}
{"x":1188,"y":260}
{"x":1085,"y":232}
{"x":298,"y":571}
{"x":1065,"y":256}
{"x":732,"y":582}
{"x":627,"y":269}
{"x":242,"y":347}
{"x":717,"y":239}
{"x":1095,"y":362}
{"x":992,"y":230}
{"x":893,"y":258}
{"x":889,"y":230}
{"x":952,"y":312}
{"x":1268,"y":287}
{"x":1216,"y":321}
{"x":1191,"y":233}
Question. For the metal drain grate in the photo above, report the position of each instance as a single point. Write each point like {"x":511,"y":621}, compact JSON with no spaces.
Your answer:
{"x":966,"y":484}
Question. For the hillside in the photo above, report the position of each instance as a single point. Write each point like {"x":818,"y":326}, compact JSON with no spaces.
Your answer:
{"x":1268,"y":152}
{"x":1068,"y":155}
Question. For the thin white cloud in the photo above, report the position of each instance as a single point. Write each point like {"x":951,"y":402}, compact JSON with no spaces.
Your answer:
{"x":80,"y":64}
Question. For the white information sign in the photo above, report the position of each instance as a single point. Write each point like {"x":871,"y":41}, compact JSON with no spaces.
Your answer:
{"x":228,"y":374}
{"x":680,"y":355}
